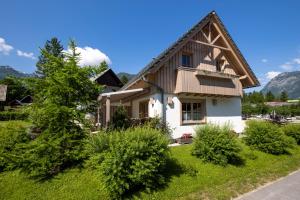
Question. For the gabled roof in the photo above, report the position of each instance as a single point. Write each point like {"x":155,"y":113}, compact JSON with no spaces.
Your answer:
{"x":108,"y":78}
{"x":183,"y":40}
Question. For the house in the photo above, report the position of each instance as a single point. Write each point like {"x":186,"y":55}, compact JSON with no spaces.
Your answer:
{"x":109,"y":80}
{"x":197,"y":80}
{"x":3,"y":91}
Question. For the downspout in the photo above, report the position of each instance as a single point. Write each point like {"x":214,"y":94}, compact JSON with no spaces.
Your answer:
{"x":161,"y":90}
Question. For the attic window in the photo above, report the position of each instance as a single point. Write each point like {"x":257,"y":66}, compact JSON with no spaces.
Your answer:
{"x":187,"y":59}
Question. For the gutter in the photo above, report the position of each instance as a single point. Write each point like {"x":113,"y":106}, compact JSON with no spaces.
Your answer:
{"x":162,"y":97}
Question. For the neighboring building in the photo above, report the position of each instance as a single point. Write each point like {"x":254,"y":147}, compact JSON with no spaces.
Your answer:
{"x":278,"y":103}
{"x":197,"y":80}
{"x":109,"y":80}
{"x":3,"y":91}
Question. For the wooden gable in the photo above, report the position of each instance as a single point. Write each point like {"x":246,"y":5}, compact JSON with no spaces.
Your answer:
{"x":108,"y":78}
{"x":210,"y":45}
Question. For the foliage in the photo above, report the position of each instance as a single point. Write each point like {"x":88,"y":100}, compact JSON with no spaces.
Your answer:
{"x":292,"y":130}
{"x":62,"y":97}
{"x":216,"y":144}
{"x":17,"y":88}
{"x":120,"y":119}
{"x":255,"y":109}
{"x":269,"y":96}
{"x":136,"y":159}
{"x":124,"y":79}
{"x":12,"y":134}
{"x":211,"y":181}
{"x":13,"y":115}
{"x":52,"y":47}
{"x":267,"y":137}
{"x":284,"y":96}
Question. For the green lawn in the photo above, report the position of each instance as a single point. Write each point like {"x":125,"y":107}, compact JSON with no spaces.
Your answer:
{"x":210,"y":182}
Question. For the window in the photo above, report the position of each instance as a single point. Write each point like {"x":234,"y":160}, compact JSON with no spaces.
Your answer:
{"x":143,"y":109}
{"x":218,"y":65}
{"x":187,"y":60}
{"x":192,"y":112}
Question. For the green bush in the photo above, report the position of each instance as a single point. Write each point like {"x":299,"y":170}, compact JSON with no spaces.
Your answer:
{"x":13,"y":115}
{"x":52,"y":152}
{"x":136,"y":159}
{"x":267,"y":137}
{"x":216,"y":144}
{"x":11,"y":135}
{"x":292,"y":130}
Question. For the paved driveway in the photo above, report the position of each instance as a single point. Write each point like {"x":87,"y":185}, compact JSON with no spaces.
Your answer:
{"x":287,"y":188}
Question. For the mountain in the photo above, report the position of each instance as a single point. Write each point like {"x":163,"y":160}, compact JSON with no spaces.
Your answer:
{"x":9,"y":71}
{"x":287,"y":81}
{"x":129,"y":76}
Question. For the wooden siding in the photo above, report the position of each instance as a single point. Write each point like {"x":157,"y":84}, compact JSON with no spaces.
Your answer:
{"x":204,"y":58}
{"x":188,"y":82}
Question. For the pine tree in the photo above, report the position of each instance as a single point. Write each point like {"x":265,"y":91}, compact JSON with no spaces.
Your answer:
{"x":52,"y":48}
{"x":124,"y":79}
{"x":284,"y":96}
{"x":270,"y":96}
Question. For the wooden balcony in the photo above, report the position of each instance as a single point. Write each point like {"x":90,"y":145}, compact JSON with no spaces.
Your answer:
{"x":192,"y":80}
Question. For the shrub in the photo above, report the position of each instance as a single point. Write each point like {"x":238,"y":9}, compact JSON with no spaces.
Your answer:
{"x":267,"y":137}
{"x":11,"y":135}
{"x":52,"y":152}
{"x":120,"y":119}
{"x":136,"y":159}
{"x":292,"y":130}
{"x":13,"y":115}
{"x":216,"y":144}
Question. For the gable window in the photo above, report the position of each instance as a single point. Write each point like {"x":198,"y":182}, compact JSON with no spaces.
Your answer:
{"x":186,"y":59}
{"x":143,"y":109}
{"x":192,"y":111}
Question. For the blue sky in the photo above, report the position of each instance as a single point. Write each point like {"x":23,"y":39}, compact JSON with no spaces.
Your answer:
{"x":130,"y":33}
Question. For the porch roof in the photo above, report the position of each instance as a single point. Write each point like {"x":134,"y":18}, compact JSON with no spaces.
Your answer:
{"x":121,"y":95}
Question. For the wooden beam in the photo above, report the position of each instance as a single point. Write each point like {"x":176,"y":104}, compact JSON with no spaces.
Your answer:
{"x":243,"y":77}
{"x":107,"y":118}
{"x":205,"y":35}
{"x":211,"y":45}
{"x":216,"y":38}
{"x":232,"y":52}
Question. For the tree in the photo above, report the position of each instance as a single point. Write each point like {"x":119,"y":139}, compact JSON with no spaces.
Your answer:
{"x":52,"y":48}
{"x":124,"y":79}
{"x":62,"y":98}
{"x":17,"y":88}
{"x":284,"y":96}
{"x":270,"y":96}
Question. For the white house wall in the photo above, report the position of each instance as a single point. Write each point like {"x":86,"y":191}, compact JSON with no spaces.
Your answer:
{"x":225,"y":111}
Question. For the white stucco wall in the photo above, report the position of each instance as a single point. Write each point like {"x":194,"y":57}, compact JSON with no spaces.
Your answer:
{"x":226,"y":111}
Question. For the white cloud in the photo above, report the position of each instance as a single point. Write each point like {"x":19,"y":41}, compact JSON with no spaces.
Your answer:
{"x":288,"y":66}
{"x":271,"y":74}
{"x":4,"y":47}
{"x":264,"y":60}
{"x":297,"y":61}
{"x":25,"y":54}
{"x":91,"y":56}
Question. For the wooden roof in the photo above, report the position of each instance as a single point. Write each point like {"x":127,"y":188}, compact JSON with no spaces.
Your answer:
{"x":108,"y":78}
{"x":160,"y":59}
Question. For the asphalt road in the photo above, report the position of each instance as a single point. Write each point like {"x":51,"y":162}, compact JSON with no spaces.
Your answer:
{"x":287,"y":188}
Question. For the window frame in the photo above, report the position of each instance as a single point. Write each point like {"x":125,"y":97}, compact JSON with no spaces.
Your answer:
{"x":144,"y":104}
{"x":190,"y":55}
{"x":202,"y":112}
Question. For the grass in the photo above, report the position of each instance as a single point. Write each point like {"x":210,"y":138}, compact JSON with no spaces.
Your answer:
{"x":209,"y":182}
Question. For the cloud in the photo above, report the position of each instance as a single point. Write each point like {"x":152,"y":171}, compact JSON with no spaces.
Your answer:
{"x":25,"y":54}
{"x":287,"y":66}
{"x":271,"y":74}
{"x":264,"y":60}
{"x":297,"y":61}
{"x":4,"y":47}
{"x":91,"y":56}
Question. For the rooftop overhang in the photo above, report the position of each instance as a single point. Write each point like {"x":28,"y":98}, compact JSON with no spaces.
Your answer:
{"x":123,"y":95}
